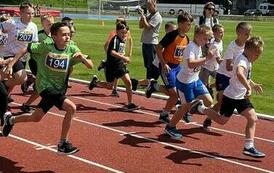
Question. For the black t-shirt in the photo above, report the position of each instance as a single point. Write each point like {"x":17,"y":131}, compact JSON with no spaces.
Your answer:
{"x":117,"y":45}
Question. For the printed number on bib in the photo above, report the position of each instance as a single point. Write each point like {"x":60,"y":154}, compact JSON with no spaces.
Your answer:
{"x":24,"y":35}
{"x":57,"y":62}
{"x":179,"y":51}
{"x":3,"y":38}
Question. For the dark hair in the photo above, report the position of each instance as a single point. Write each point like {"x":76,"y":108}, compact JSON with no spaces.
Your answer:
{"x":66,"y":19}
{"x":25,"y":4}
{"x":184,"y":17}
{"x":56,"y":26}
{"x":120,"y":26}
{"x":207,"y":5}
{"x":168,"y":24}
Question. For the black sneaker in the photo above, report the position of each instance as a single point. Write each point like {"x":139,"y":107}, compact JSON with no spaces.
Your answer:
{"x":187,"y":117}
{"x":93,"y":82}
{"x":102,"y":65}
{"x":253,"y":152}
{"x":134,"y":84}
{"x":26,"y":108}
{"x":151,"y":88}
{"x":7,"y":126}
{"x":207,"y":123}
{"x":25,"y":86}
{"x":131,"y":107}
{"x":114,"y":93}
{"x":164,"y":117}
{"x":67,"y":148}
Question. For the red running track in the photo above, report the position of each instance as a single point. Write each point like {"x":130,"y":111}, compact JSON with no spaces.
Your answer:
{"x":112,"y":140}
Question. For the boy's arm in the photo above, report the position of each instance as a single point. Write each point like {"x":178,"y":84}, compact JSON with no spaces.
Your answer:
{"x":84,"y":59}
{"x":120,"y":56}
{"x":193,"y":63}
{"x":8,"y":70}
{"x":240,"y":72}
{"x":159,"y":51}
{"x":256,"y":87}
{"x":129,"y":46}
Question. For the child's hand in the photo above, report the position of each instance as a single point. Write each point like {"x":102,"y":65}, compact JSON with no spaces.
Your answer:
{"x":258,"y":88}
{"x":127,"y":59}
{"x":166,"y":69}
{"x":210,"y":54}
{"x":248,"y":93}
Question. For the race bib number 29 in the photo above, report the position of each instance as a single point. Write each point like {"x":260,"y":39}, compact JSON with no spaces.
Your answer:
{"x":57,"y":62}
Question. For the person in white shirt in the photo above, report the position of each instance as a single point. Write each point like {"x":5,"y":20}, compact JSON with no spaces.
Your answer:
{"x":234,"y":49}
{"x":188,"y":84}
{"x":21,"y":31}
{"x":237,"y":95}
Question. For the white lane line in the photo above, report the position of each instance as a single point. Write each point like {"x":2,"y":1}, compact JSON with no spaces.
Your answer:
{"x":71,"y":156}
{"x":156,"y":115}
{"x":167,"y":144}
{"x":47,"y":146}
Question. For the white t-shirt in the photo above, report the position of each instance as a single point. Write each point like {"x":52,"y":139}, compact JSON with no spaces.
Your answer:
{"x":236,"y":89}
{"x":19,"y":35}
{"x":186,"y":74}
{"x":217,"y":47}
{"x":232,"y":52}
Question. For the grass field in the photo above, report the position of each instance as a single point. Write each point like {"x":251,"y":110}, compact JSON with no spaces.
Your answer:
{"x":91,"y":36}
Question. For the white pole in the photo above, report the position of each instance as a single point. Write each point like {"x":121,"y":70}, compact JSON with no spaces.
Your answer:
{"x":99,"y":9}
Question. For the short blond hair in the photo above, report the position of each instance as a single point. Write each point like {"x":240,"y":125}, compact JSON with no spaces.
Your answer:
{"x":254,"y":42}
{"x":203,"y":29}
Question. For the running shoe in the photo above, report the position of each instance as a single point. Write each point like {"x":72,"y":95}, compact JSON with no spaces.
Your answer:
{"x":187,"y":117}
{"x":151,"y":88}
{"x":164,"y":117}
{"x":26,"y":108}
{"x":102,"y":65}
{"x":207,"y":123}
{"x":67,"y":148}
{"x":93,"y":82}
{"x":114,"y":93}
{"x":173,"y":132}
{"x":131,"y":107}
{"x":7,"y":126}
{"x":253,"y":152}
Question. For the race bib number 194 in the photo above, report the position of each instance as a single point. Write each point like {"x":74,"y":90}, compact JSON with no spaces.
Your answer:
{"x":57,"y":62}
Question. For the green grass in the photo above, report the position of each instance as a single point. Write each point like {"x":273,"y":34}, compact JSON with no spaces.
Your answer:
{"x":91,"y":36}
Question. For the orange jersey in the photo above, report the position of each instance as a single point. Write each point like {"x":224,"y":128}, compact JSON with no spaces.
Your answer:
{"x":174,"y":46}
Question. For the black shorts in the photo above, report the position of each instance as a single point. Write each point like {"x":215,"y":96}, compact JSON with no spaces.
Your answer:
{"x":19,"y":65}
{"x":51,"y":98}
{"x":33,"y":66}
{"x":113,"y":72}
{"x":228,"y":106}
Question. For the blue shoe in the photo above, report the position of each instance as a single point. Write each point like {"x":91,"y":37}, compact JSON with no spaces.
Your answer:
{"x":164,"y":117}
{"x":173,"y":132}
{"x":253,"y":152}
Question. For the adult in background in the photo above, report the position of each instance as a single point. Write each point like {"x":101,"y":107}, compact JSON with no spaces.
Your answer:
{"x":208,"y":18}
{"x":151,"y":24}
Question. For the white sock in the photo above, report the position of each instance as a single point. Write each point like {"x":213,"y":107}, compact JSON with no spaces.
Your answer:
{"x":201,"y":108}
{"x":156,"y":86}
{"x":11,"y":120}
{"x":249,"y":143}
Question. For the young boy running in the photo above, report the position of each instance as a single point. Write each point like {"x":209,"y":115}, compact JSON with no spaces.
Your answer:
{"x":170,"y":53}
{"x":53,"y":61}
{"x":234,"y":49}
{"x":237,"y":93}
{"x":116,"y":65}
{"x":188,"y":84}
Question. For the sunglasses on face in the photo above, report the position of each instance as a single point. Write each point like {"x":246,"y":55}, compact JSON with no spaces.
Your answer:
{"x":210,"y":9}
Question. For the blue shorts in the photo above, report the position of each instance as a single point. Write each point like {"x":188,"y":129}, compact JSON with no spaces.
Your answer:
{"x":170,"y":78}
{"x":188,"y":92}
{"x":222,"y":81}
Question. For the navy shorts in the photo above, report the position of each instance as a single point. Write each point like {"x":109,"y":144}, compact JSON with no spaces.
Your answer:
{"x":19,"y":65}
{"x":228,"y":105}
{"x":222,"y":81}
{"x":51,"y":98}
